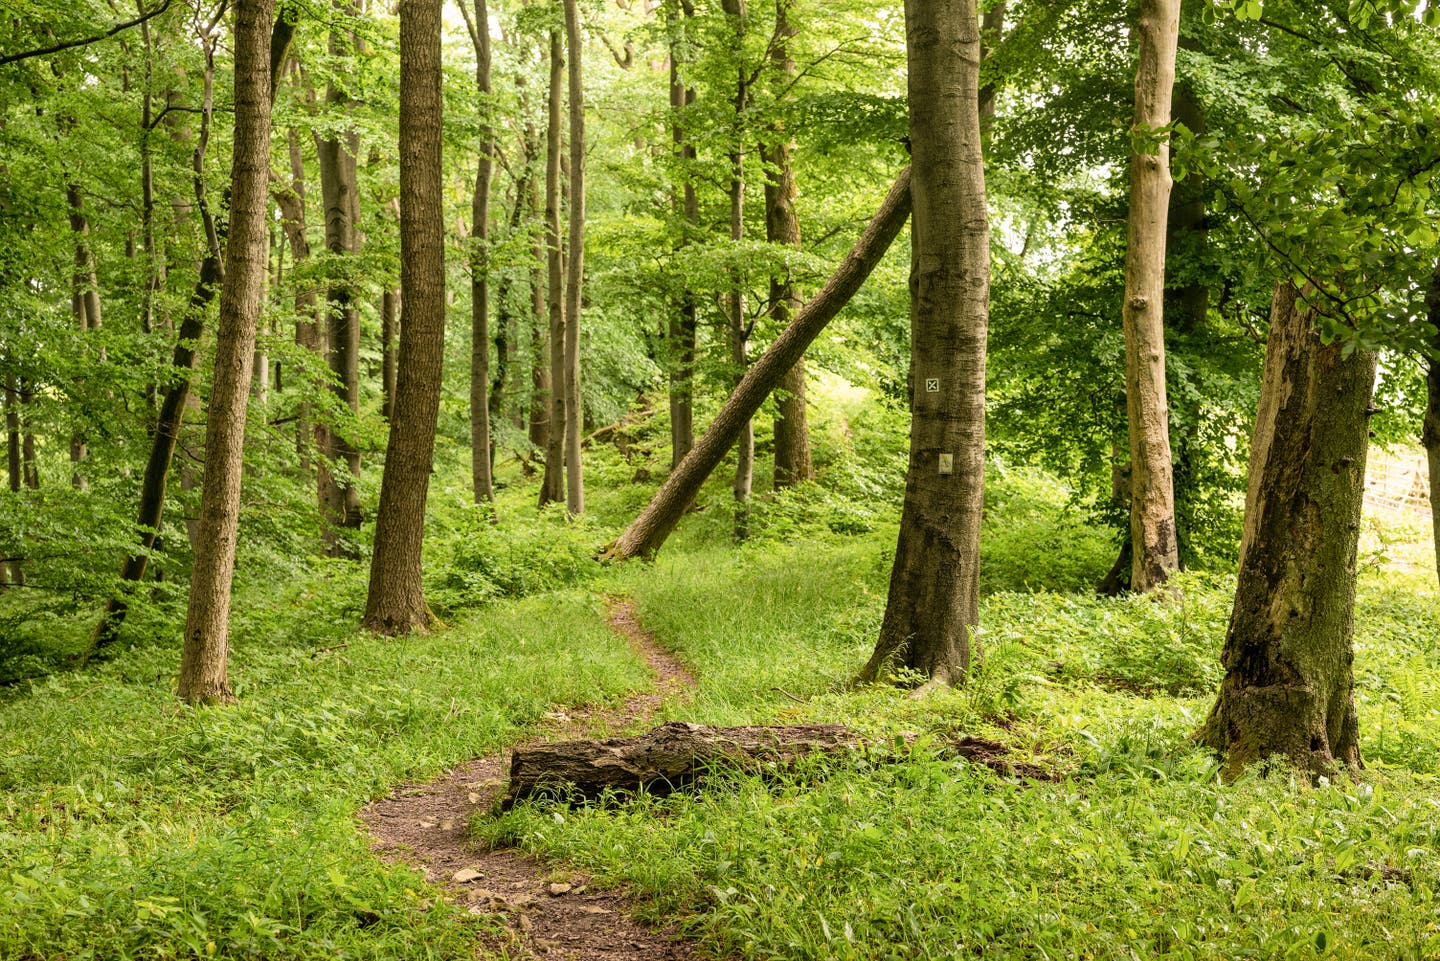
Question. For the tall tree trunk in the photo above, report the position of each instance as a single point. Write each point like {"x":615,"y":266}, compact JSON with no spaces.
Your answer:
{"x":792,"y":431}
{"x":396,"y":601}
{"x":648,"y":531}
{"x":481,"y":479}
{"x":539,"y":430}
{"x":291,"y":200}
{"x":1288,"y":687}
{"x":338,"y":495}
{"x":203,"y":666}
{"x":29,"y":462}
{"x":933,"y":604}
{"x":553,"y":487}
{"x":739,"y":330}
{"x":683,"y":323}
{"x":575,"y":265}
{"x":85,"y":305}
{"x":1152,"y":498}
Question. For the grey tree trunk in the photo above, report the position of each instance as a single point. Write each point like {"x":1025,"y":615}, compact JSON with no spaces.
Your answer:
{"x":1288,"y":687}
{"x":339,"y":186}
{"x":396,"y":600}
{"x":792,"y":431}
{"x":552,"y":489}
{"x":84,"y":304}
{"x":648,"y":531}
{"x":539,"y":429}
{"x":933,"y":604}
{"x":575,"y":265}
{"x":204,"y":659}
{"x":1152,"y":498}
{"x":739,"y":330}
{"x":291,"y":199}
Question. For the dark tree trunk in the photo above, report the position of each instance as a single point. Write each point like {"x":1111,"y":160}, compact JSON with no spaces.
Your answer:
{"x":574,"y":265}
{"x":648,"y":531}
{"x":792,"y":431}
{"x":204,"y":661}
{"x":14,"y":470}
{"x":308,"y":333}
{"x":1152,"y":496}
{"x":933,"y":604}
{"x":683,"y":322}
{"x":539,"y":429}
{"x":1288,"y":687}
{"x":552,"y":489}
{"x":1430,"y":435}
{"x":163,"y":442}
{"x":481,"y":469}
{"x":339,"y":186}
{"x":389,"y":350}
{"x":739,"y":330}
{"x":84,"y":304}
{"x":396,"y":601}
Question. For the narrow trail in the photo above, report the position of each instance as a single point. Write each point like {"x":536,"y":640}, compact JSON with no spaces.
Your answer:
{"x":425,"y":825}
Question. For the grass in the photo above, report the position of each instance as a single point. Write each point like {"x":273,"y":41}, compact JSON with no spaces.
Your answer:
{"x":133,"y":827}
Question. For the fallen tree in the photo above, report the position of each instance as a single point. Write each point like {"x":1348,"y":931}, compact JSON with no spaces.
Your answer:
{"x":648,"y":531}
{"x":677,"y":755}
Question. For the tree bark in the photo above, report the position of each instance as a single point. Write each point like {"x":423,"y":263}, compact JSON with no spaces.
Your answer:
{"x":14,"y":469}
{"x":481,"y":480}
{"x":738,"y":329}
{"x":1288,"y":687}
{"x":575,"y":265}
{"x":203,"y":666}
{"x":291,"y":199}
{"x":670,"y":757}
{"x":85,"y":305}
{"x":1152,"y":498}
{"x":539,"y":429}
{"x":1430,"y":432}
{"x":933,"y":604}
{"x":683,"y":323}
{"x":339,"y":187}
{"x":389,"y":341}
{"x":792,"y":431}
{"x":396,"y":601}
{"x":648,"y":531}
{"x":552,"y":488}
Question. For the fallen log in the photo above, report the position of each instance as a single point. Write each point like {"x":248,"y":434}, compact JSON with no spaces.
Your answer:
{"x":669,"y":757}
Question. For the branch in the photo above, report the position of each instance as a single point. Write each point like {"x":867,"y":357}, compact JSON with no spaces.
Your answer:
{"x":71,"y":44}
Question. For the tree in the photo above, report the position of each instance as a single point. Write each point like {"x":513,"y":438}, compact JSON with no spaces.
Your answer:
{"x":739,"y":330}
{"x":1288,"y":650}
{"x":683,"y":322}
{"x":481,"y":477}
{"x":933,"y":603}
{"x":340,"y":190}
{"x":204,"y":660}
{"x":552,"y":489}
{"x":395,"y":603}
{"x":649,"y":530}
{"x":1152,"y":498}
{"x":1430,"y":432}
{"x":782,"y":226}
{"x":575,"y":265}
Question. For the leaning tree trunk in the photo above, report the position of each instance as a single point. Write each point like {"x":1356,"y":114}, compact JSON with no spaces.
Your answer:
{"x":574,"y":265}
{"x":933,"y":605}
{"x":648,"y":531}
{"x":552,"y":489}
{"x":1430,"y":435}
{"x":792,"y":431}
{"x":396,"y":600}
{"x":339,"y":186}
{"x":1288,"y":687}
{"x":204,"y":660}
{"x":1152,"y":498}
{"x":481,"y":480}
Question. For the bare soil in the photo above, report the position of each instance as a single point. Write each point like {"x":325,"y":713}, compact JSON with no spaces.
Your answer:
{"x":547,"y":912}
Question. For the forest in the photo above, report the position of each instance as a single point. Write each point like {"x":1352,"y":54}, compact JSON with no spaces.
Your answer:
{"x":717,"y":479}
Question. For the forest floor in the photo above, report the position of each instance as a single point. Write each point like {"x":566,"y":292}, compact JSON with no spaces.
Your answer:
{"x":548,"y":912}
{"x":134,"y":827}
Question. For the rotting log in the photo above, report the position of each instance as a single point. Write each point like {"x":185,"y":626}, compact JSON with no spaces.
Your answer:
{"x":669,"y":757}
{"x":677,"y":755}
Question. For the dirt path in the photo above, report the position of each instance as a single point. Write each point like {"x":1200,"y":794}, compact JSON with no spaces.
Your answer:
{"x":425,"y":825}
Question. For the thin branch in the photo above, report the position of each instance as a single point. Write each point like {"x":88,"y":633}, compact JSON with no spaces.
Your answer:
{"x":85,"y":41}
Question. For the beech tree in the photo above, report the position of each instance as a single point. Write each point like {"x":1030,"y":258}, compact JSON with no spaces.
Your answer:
{"x":574,"y":264}
{"x":395,"y":603}
{"x":1152,"y":499}
{"x":552,"y":488}
{"x":481,"y":468}
{"x":933,"y":603}
{"x":204,"y":663}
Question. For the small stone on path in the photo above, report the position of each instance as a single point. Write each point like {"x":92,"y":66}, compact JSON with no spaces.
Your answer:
{"x":466,"y":875}
{"x":558,"y":888}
